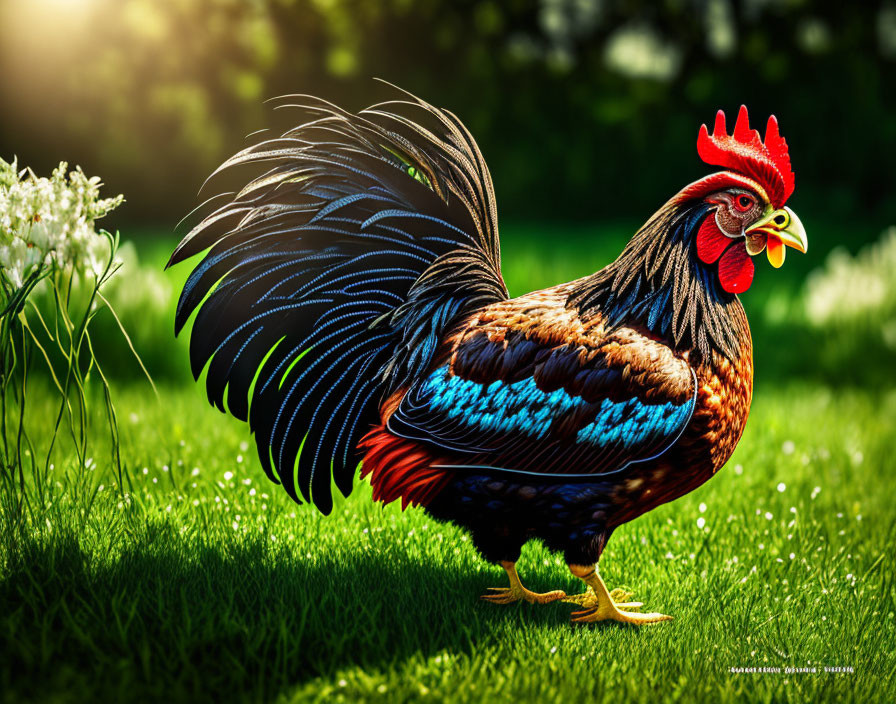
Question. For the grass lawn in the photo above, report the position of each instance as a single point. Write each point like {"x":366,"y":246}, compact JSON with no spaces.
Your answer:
{"x":204,"y":582}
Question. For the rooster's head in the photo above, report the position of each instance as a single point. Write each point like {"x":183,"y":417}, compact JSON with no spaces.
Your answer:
{"x":746,"y":201}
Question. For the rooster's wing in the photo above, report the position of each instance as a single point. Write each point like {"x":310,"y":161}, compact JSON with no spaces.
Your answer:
{"x":517,"y":403}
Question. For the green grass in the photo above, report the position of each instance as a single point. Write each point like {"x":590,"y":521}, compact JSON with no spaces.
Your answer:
{"x":204,"y":582}
{"x":202,"y":586}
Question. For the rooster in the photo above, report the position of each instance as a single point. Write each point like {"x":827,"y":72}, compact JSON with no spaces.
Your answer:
{"x":351,"y":308}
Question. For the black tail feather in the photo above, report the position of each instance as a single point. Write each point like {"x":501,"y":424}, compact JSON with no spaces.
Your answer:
{"x":363,"y":241}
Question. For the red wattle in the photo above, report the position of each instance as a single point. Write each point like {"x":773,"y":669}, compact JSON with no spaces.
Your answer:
{"x":710,"y":241}
{"x":736,"y":269}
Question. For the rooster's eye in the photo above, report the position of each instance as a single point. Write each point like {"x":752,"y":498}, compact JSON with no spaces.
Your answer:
{"x":743,"y":202}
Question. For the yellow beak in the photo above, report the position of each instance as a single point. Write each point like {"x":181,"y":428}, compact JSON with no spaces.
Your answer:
{"x":780,"y":227}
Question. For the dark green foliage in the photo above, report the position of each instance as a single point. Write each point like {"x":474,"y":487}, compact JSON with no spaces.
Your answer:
{"x":155,"y":95}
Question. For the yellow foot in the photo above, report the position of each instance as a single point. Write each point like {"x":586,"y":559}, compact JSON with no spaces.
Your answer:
{"x":510,"y":595}
{"x":599,"y":604}
{"x":517,"y":592}
{"x":612,"y":612}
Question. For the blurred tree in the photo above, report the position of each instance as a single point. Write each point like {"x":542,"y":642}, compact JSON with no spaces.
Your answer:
{"x":584,"y":108}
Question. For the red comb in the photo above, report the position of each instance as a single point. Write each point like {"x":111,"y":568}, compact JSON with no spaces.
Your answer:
{"x":766,"y":162}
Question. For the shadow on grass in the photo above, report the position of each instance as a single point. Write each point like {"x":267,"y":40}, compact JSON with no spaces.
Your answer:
{"x":170,"y":620}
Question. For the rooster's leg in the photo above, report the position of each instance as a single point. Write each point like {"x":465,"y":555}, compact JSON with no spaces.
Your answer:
{"x":517,"y":592}
{"x":599,"y":604}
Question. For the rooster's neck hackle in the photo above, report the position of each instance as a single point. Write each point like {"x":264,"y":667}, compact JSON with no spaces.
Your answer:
{"x":659,"y":282}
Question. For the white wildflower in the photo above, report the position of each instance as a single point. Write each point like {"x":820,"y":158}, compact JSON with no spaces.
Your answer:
{"x":48,"y":222}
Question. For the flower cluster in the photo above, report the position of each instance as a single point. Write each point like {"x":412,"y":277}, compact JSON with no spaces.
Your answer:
{"x":50,"y":221}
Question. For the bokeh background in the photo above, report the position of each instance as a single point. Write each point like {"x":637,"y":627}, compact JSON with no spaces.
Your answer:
{"x":586,"y":110}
